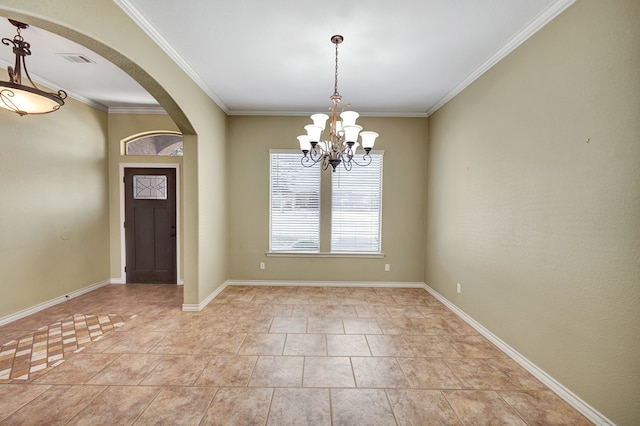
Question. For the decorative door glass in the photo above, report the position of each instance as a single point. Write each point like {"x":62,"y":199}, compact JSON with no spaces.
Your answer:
{"x":151,"y":187}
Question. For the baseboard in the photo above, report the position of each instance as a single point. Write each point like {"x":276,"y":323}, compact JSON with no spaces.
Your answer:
{"x":123,"y":281}
{"x":44,"y":305}
{"x":572,"y":399}
{"x":288,"y":283}
{"x":197,"y":307}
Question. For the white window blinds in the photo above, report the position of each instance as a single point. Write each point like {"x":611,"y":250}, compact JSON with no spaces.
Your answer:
{"x":295,"y":204}
{"x":356,"y":200}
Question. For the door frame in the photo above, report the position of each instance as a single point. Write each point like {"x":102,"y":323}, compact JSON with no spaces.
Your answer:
{"x":123,"y":242}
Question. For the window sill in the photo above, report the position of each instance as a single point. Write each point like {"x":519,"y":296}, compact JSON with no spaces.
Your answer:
{"x":324,"y":254}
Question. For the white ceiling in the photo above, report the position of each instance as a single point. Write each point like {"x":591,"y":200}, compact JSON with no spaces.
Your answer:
{"x":399,"y":58}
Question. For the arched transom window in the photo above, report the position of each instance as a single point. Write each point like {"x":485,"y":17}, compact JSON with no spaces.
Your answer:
{"x":161,"y":143}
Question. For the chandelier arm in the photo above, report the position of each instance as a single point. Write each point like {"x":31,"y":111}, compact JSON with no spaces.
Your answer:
{"x":307,"y":162}
{"x":366,"y":157}
{"x":311,"y":160}
{"x":325,"y":163}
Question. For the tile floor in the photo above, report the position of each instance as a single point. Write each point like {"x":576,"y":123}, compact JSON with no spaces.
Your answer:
{"x":272,"y":355}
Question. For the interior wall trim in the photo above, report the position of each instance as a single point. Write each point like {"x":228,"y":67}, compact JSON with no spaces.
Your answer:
{"x":56,"y":300}
{"x":197,"y":307}
{"x":290,"y":283}
{"x":572,"y":399}
{"x":546,"y":16}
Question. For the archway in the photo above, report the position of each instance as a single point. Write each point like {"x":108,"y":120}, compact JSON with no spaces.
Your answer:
{"x":108,"y":31}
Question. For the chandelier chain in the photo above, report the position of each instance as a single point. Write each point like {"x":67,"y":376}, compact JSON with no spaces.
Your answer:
{"x":335,"y":87}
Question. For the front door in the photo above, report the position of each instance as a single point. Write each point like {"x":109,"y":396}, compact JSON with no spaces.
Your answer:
{"x":150,"y":225}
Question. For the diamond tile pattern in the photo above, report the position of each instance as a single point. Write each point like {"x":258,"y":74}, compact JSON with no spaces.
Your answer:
{"x":265,"y":356}
{"x":47,"y":346}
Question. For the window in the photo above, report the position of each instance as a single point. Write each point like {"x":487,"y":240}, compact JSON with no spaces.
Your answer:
{"x":165,"y":144}
{"x":295,"y":204}
{"x":355,"y":206}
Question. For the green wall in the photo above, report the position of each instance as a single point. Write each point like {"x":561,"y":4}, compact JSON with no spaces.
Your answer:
{"x":534,"y":202}
{"x":404,"y":143}
{"x":53,"y":221}
{"x":527,"y":193}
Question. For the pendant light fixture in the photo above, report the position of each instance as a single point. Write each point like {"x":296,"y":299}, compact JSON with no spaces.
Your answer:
{"x":339,"y":143}
{"x":23,"y":99}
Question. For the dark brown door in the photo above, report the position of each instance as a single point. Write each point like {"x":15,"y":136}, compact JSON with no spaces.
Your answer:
{"x":150,"y":225}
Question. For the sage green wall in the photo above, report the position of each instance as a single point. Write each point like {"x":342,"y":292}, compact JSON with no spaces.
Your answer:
{"x":103,"y":27}
{"x":122,"y":127}
{"x":404,"y":143}
{"x":534,"y":202}
{"x":53,"y":221}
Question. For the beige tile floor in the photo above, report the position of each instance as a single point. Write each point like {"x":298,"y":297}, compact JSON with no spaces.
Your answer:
{"x":277,"y":356}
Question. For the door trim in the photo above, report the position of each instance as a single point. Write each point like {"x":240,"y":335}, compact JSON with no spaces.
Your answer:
{"x":123,"y":242}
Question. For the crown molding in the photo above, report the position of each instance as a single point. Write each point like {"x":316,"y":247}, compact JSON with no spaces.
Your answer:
{"x":151,"y":31}
{"x":398,"y":114}
{"x":530,"y":29}
{"x":147,"y":109}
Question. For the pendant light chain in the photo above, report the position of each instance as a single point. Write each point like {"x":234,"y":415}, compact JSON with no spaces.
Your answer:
{"x":335,"y":87}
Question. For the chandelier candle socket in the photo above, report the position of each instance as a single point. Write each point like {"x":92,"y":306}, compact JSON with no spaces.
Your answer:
{"x":340,"y":141}
{"x":19,"y":98}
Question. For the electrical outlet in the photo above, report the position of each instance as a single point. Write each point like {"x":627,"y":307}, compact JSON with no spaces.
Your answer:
{"x":458,"y":288}
{"x":387,"y":267}
{"x":262,"y":265}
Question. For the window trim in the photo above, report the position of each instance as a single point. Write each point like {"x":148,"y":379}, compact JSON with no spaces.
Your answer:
{"x":325,"y":254}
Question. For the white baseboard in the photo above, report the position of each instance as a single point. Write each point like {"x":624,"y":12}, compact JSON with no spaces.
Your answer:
{"x":44,"y":305}
{"x":572,"y":399}
{"x":120,"y":280}
{"x":281,"y":283}
{"x":197,"y":307}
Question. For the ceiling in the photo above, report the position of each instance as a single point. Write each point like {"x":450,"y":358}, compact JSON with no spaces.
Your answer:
{"x":398,"y":58}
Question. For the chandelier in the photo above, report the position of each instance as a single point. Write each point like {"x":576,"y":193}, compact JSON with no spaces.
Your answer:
{"x":338,"y":142}
{"x":21,"y":99}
